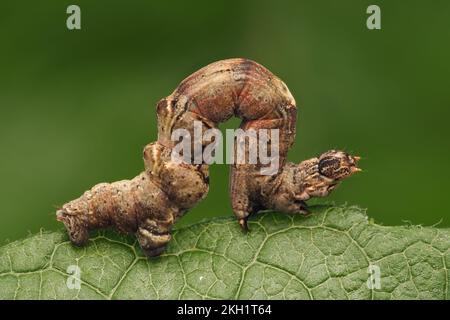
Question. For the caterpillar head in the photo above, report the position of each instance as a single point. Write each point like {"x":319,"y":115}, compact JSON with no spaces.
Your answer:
{"x":337,"y":165}
{"x":317,"y":177}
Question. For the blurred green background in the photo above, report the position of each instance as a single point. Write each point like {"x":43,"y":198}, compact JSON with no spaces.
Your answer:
{"x":77,"y":107}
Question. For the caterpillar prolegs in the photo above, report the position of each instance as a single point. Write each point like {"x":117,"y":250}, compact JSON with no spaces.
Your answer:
{"x":149,"y":204}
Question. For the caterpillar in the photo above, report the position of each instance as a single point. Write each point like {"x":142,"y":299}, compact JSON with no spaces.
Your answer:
{"x":149,"y":204}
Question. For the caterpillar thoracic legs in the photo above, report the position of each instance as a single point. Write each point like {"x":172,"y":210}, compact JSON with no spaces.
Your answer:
{"x":149,"y":204}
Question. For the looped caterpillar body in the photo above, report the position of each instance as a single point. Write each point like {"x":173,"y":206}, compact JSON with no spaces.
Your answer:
{"x":149,"y":204}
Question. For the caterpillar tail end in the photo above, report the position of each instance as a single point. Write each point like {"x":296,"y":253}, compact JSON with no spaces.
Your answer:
{"x":78,"y":234}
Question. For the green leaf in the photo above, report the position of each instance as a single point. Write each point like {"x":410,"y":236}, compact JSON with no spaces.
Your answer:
{"x":327,"y":255}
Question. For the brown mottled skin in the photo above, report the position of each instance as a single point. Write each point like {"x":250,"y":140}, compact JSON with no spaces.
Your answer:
{"x":149,"y":204}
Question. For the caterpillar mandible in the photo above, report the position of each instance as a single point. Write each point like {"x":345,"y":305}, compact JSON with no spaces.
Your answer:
{"x":150,"y":204}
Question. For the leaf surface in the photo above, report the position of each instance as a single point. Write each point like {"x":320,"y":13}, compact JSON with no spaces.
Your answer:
{"x":335,"y":253}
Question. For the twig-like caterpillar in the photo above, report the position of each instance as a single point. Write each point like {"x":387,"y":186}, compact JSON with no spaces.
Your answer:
{"x":149,"y":204}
